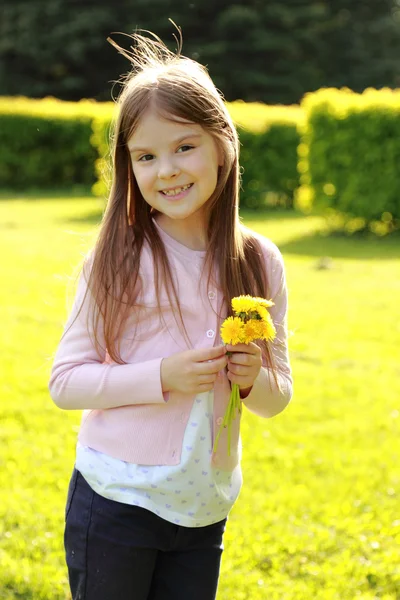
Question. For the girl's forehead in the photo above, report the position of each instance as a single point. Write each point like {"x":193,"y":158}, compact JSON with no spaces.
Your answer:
{"x":152,"y":125}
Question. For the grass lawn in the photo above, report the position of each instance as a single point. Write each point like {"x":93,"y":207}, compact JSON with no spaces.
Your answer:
{"x":319,"y":512}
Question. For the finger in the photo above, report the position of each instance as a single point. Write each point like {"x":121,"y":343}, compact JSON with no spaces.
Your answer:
{"x":242,"y":359}
{"x":212,"y":366}
{"x":205,"y":387}
{"x":206,"y":379}
{"x":242,"y":381}
{"x":238,"y":370}
{"x":250,"y":348}
{"x":203,"y":354}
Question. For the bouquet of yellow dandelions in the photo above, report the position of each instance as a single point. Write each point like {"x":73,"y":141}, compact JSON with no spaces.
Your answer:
{"x":251,"y":322}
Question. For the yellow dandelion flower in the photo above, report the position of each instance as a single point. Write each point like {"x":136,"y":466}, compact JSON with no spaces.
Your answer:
{"x":243,"y":304}
{"x":259,"y":328}
{"x":262,"y":311}
{"x":264,"y":302}
{"x":267,"y":329}
{"x":251,"y":331}
{"x":232,"y":330}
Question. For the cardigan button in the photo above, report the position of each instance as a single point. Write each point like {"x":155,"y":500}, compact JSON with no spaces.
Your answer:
{"x":211,"y":295}
{"x":219,"y":421}
{"x":210,"y":333}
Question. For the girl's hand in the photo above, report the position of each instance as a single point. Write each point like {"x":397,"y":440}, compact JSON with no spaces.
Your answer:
{"x":192,"y":371}
{"x":244,"y":365}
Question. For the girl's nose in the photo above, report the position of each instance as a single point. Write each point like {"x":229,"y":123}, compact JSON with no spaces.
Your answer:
{"x":167,"y":169}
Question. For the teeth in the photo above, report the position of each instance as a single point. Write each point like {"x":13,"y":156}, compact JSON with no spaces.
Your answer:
{"x":176,"y":191}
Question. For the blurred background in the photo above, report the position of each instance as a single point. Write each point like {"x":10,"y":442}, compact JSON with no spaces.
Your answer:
{"x":314,"y":89}
{"x":256,"y":50}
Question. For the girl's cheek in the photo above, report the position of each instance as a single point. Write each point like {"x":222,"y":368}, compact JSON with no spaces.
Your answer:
{"x":195,"y":162}
{"x":144,"y":180}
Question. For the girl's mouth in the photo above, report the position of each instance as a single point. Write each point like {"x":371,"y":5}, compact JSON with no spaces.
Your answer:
{"x":178,"y":192}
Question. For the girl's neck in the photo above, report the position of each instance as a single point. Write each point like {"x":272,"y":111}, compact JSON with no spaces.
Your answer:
{"x":190,"y":234}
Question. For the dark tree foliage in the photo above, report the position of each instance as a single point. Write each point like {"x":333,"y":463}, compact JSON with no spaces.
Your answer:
{"x":264,"y":50}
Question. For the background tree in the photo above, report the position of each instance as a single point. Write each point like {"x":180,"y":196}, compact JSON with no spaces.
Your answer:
{"x":265,"y":50}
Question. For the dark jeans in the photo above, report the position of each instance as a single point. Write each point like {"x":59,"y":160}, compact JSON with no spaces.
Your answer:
{"x":116,"y":551}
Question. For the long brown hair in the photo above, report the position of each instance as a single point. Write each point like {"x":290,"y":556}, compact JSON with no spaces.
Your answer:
{"x":178,"y":88}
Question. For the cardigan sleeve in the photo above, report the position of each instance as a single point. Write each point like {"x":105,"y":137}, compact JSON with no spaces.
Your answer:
{"x":81,"y":377}
{"x":266,"y":398}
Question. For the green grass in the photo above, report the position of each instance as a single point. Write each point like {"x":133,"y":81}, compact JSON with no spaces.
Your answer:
{"x":318,"y":515}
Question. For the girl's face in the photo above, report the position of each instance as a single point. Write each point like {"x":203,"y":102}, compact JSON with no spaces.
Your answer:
{"x":175,"y":165}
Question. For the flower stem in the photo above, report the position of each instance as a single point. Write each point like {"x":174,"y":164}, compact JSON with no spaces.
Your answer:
{"x":230,"y":414}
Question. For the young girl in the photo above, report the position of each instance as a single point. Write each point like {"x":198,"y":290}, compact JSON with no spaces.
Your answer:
{"x":141,"y":354}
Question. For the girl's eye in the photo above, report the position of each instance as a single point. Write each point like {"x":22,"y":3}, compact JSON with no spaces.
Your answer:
{"x":148,"y":157}
{"x":185,"y":148}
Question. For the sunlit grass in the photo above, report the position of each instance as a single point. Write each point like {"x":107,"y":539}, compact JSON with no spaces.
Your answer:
{"x":318,"y":516}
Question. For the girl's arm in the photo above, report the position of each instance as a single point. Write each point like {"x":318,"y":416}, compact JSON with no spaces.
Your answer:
{"x":81,"y":380}
{"x":265,"y":398}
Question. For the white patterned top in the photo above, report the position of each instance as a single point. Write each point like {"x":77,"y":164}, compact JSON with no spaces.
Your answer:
{"x":191,"y":494}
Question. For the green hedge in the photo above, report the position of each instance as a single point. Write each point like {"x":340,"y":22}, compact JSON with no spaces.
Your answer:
{"x":349,"y":157}
{"x":268,"y":153}
{"x":50,"y":144}
{"x":46,"y":143}
{"x":45,"y":152}
{"x":338,"y":151}
{"x":269,"y":164}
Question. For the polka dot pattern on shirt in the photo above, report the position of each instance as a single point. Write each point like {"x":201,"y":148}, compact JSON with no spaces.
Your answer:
{"x":192,"y":494}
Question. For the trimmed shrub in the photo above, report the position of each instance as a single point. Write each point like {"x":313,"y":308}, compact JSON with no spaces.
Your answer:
{"x":268,"y":155}
{"x":45,"y":152}
{"x":349,"y":156}
{"x":100,"y":139}
{"x":269,"y":166}
{"x":49,"y":144}
{"x":46,"y":143}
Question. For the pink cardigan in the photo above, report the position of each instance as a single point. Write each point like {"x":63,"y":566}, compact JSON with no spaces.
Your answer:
{"x":126,"y":415}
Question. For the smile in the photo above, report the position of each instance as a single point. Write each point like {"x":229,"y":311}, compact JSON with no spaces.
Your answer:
{"x":176,"y":191}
